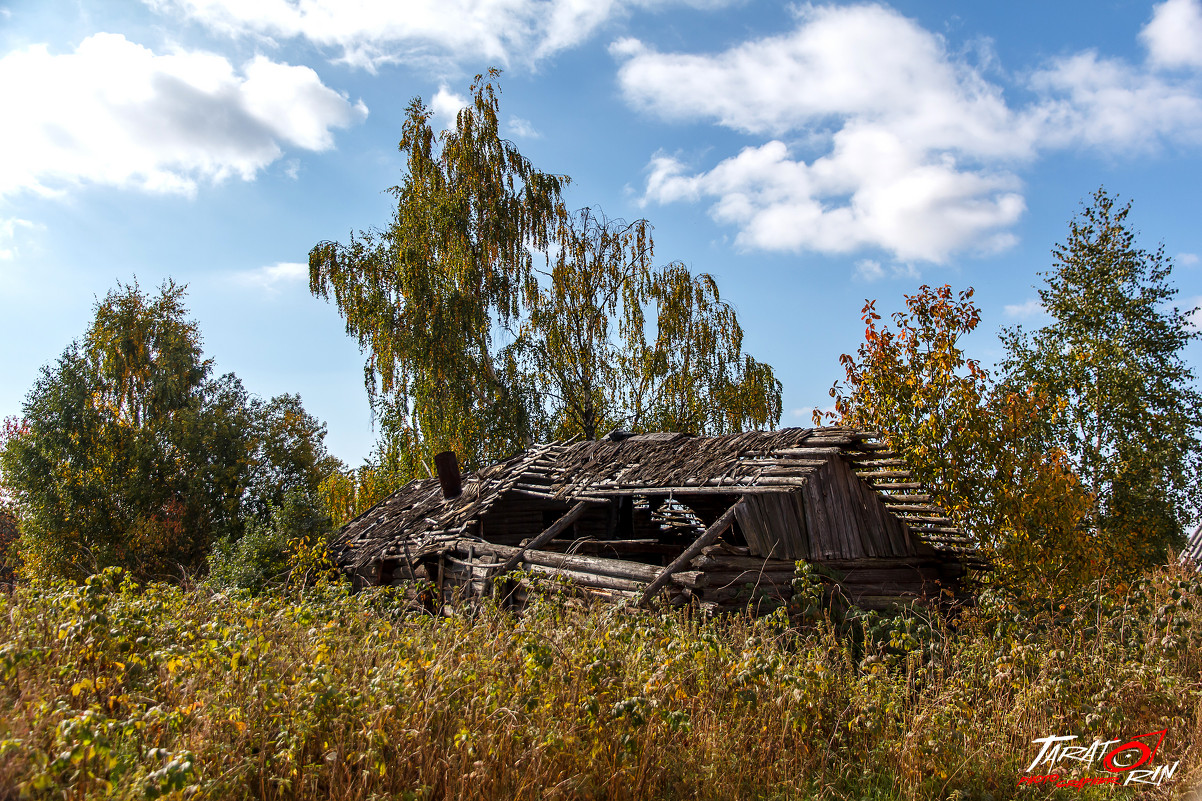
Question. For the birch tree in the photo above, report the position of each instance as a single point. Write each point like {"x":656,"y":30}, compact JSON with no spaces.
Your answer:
{"x":470,"y":348}
{"x":1113,"y":352}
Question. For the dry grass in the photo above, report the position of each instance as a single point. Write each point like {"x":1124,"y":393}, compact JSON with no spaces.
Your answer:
{"x":127,"y":691}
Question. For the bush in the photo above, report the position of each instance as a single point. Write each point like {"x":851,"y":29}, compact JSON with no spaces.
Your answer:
{"x":113,"y":688}
{"x":267,"y":553}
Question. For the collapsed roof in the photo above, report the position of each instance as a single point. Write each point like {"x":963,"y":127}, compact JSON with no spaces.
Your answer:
{"x":830,"y":495}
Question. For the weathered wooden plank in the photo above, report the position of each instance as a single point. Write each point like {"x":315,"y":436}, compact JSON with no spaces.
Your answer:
{"x":712,"y":533}
{"x":864,"y":445}
{"x":870,"y":502}
{"x":893,"y":462}
{"x":804,"y":452}
{"x":898,"y":508}
{"x":937,"y":530}
{"x":916,"y":518}
{"x":803,"y":528}
{"x":885,"y":474}
{"x":864,"y":503}
{"x":721,"y":578}
{"x":785,"y":471}
{"x":654,"y":490}
{"x":835,"y":441}
{"x":837,"y":494}
{"x":776,"y":460}
{"x":817,"y":522}
{"x":749,"y":519}
{"x":729,"y":562}
{"x":782,"y":481}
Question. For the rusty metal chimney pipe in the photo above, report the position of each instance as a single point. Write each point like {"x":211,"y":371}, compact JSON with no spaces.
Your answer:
{"x":449,"y":477}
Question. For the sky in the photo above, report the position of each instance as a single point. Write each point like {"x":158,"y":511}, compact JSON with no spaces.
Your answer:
{"x":809,"y":156}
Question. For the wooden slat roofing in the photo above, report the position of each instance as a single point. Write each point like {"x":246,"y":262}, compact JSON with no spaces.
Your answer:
{"x":417,"y":520}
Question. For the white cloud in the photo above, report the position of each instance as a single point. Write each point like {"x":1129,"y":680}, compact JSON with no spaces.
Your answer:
{"x":871,"y":191}
{"x":1187,"y":259}
{"x":869,"y":270}
{"x":907,"y":134}
{"x":1111,"y":105}
{"x":1174,"y":34}
{"x":1029,"y":309}
{"x":368,"y":33}
{"x":523,"y":128}
{"x":8,"y":235}
{"x":116,"y":113}
{"x":874,"y":136}
{"x":866,"y":63}
{"x":446,"y":106}
{"x":274,"y":278}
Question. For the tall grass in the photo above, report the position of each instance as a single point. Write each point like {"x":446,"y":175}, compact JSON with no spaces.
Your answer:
{"x":126,"y":691}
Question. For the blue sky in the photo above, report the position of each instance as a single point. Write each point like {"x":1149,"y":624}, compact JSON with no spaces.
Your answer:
{"x":810,"y":156}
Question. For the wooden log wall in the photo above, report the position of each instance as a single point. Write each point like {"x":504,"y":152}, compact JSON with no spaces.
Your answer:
{"x":722,"y":578}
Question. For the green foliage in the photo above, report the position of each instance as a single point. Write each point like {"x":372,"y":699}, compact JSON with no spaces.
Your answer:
{"x":978,"y":446}
{"x":289,"y":459}
{"x":130,"y":453}
{"x":613,"y":341}
{"x":125,"y":690}
{"x":471,"y":349}
{"x":263,"y":556}
{"x":1113,"y":354}
{"x":348,"y":493}
{"x":427,"y":296}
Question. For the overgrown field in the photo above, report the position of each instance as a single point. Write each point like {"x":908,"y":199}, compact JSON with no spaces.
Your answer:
{"x":125,"y":691}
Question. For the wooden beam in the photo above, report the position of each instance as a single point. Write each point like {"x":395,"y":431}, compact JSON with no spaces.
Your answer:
{"x":552,"y":531}
{"x":620,"y":568}
{"x":712,"y":533}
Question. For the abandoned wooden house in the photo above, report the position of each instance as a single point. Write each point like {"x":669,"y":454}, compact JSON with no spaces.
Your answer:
{"x":717,"y":521}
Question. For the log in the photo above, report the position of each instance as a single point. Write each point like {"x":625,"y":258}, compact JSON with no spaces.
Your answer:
{"x":912,"y":518}
{"x":905,"y":507}
{"x":619,"y":568}
{"x":712,"y":533}
{"x":589,"y":579}
{"x":837,"y":441}
{"x":549,"y":534}
{"x":796,"y":480}
{"x":806,"y":452}
{"x":724,"y":562}
{"x":858,"y":457}
{"x":786,"y":471}
{"x":864,"y":445}
{"x":715,"y":578}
